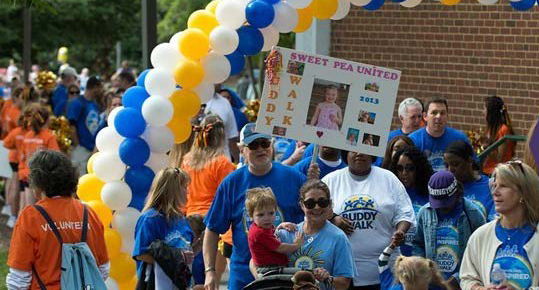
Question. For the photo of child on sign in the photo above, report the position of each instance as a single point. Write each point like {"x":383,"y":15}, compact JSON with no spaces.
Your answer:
{"x":327,"y":105}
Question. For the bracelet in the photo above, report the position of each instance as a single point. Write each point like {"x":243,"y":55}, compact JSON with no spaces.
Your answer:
{"x":333,"y":217}
{"x":209,"y":269}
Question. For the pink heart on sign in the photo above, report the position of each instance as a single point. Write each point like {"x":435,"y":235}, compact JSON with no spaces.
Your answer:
{"x":319,"y":133}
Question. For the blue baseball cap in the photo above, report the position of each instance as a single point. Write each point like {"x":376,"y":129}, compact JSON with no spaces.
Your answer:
{"x":248,"y":134}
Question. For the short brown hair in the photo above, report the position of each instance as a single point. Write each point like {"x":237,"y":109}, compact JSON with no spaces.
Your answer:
{"x":259,"y":198}
{"x":436,"y":100}
{"x":313,"y":184}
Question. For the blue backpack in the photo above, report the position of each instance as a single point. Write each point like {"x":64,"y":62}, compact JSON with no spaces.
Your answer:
{"x":79,"y":268}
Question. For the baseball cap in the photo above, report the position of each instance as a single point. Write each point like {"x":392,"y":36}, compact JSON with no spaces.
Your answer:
{"x":248,"y":134}
{"x":68,"y":71}
{"x":92,"y":82}
{"x":443,"y":187}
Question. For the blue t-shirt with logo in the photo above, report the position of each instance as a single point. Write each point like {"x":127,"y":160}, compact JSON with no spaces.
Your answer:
{"x":328,"y":249}
{"x":303,"y":166}
{"x":447,"y":242}
{"x":228,"y":209}
{"x":85,"y":114}
{"x":417,"y":202}
{"x":479,"y":193}
{"x":152,"y":225}
{"x":434,"y":148}
{"x":512,"y":257}
{"x":59,"y":95}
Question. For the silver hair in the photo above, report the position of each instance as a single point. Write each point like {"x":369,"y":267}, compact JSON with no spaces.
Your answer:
{"x":408,"y":102}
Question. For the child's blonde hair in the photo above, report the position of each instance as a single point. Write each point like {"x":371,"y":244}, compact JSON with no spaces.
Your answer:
{"x":168,"y":193}
{"x":259,"y":198}
{"x":411,"y":270}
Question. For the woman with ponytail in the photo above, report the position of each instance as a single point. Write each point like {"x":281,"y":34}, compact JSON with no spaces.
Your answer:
{"x":498,"y":125}
{"x":207,"y":165}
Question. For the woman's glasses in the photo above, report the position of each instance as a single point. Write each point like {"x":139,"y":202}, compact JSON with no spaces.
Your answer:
{"x":264,"y":143}
{"x":517,"y":163}
{"x":407,"y":167}
{"x":74,"y":92}
{"x":311,"y":203}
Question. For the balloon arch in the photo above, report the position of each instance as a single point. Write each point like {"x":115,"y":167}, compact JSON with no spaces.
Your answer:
{"x":155,"y":113}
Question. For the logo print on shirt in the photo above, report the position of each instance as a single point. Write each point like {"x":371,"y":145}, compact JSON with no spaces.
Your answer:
{"x":92,"y":122}
{"x":518,"y":270}
{"x":447,"y":247}
{"x":361,"y":210}
{"x":248,"y":221}
{"x":306,"y":258}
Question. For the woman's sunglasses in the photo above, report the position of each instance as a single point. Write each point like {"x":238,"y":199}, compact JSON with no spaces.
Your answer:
{"x":311,"y":203}
{"x":74,"y":92}
{"x":264,"y":143}
{"x":407,"y":167}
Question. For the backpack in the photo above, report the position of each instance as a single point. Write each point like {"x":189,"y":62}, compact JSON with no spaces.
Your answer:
{"x":79,"y":269}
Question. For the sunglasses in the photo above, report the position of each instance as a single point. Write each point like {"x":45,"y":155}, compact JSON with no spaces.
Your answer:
{"x":311,"y":203}
{"x":74,"y":92}
{"x":264,"y":143}
{"x":407,"y":167}
{"x":518,"y":164}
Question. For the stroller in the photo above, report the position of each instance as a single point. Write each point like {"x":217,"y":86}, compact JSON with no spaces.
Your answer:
{"x":280,"y":278}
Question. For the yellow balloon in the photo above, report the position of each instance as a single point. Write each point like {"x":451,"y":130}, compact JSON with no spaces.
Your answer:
{"x":305,"y":18}
{"x":186,"y":103}
{"x":89,"y":187}
{"x":103,"y":212}
{"x":113,"y":241}
{"x":188,"y":73}
{"x":194,"y":43}
{"x":90,"y":165}
{"x":203,"y":20}
{"x":450,"y":2}
{"x":129,"y":285}
{"x":324,"y":9}
{"x":62,"y":54}
{"x":212,"y":6}
{"x":122,"y":268}
{"x":181,"y":128}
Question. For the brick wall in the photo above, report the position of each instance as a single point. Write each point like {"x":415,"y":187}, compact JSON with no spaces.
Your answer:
{"x":463,"y":53}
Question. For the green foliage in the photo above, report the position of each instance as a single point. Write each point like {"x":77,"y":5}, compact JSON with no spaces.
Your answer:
{"x":173,"y":15}
{"x":3,"y":268}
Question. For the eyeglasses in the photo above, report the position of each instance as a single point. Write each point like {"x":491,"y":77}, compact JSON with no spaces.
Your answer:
{"x":407,"y":167}
{"x":74,"y":92}
{"x":264,"y":143}
{"x":311,"y":203}
{"x":518,"y":163}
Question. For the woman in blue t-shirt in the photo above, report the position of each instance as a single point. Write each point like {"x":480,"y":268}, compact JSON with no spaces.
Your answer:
{"x":413,"y":169}
{"x":503,"y":253}
{"x":458,"y":158}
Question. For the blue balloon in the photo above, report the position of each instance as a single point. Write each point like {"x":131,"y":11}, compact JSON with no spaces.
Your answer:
{"x":272,"y":1}
{"x":142,"y":77}
{"x":251,"y":40}
{"x":259,"y":13}
{"x":139,"y":178}
{"x":129,"y":123}
{"x":134,"y":97}
{"x":522,"y":5}
{"x":134,"y":151}
{"x":138,"y":200}
{"x":374,"y":5}
{"x":237,"y":62}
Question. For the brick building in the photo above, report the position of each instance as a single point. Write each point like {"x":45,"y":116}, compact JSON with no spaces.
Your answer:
{"x":463,"y":53}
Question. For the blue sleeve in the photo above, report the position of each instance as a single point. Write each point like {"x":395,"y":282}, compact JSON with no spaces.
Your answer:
{"x":308,"y":151}
{"x":289,"y":150}
{"x":60,"y":108}
{"x":218,"y":218}
{"x":378,"y":161}
{"x":343,"y":264}
{"x":302,"y":166}
{"x":285,"y":236}
{"x":146,"y":231}
{"x":74,"y":110}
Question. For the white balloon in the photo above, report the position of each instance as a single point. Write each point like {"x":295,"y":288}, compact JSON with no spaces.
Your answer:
{"x":175,"y":40}
{"x":112,"y":115}
{"x":165,"y":56}
{"x":157,"y":162}
{"x":108,"y":166}
{"x":108,"y":139}
{"x":410,"y":3}
{"x":127,"y":245}
{"x":299,"y":4}
{"x":205,"y":91}
{"x":111,"y":284}
{"x":124,"y":222}
{"x":160,"y":139}
{"x":160,"y":82}
{"x":224,"y":40}
{"x":362,"y":2}
{"x":116,"y":194}
{"x":271,"y":37}
{"x":244,"y":3}
{"x":157,"y":111}
{"x":216,"y":68}
{"x":487,"y":2}
{"x":286,"y":17}
{"x":342,"y":10}
{"x":231,"y":13}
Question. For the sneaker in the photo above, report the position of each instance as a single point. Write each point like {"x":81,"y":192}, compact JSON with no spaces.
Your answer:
{"x":11,"y":221}
{"x":6,"y":210}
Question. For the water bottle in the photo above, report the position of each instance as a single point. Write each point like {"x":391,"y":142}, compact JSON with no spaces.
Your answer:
{"x":497,"y":276}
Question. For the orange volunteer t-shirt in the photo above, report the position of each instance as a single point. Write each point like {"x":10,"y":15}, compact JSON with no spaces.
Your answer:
{"x":34,"y":243}
{"x":12,"y":118}
{"x":490,"y":163}
{"x":3,"y":114}
{"x":204,"y":183}
{"x":13,"y":142}
{"x":33,"y":142}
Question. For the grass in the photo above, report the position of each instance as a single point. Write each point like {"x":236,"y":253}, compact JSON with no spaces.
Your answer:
{"x":3,"y":269}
